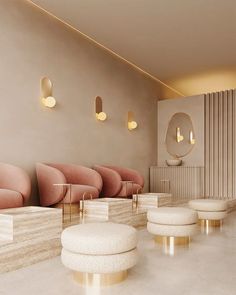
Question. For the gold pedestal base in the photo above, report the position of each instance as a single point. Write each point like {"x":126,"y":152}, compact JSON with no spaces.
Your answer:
{"x":175,"y":241}
{"x":207,"y":222}
{"x":209,"y":226}
{"x":99,"y":280}
{"x":169,"y":244}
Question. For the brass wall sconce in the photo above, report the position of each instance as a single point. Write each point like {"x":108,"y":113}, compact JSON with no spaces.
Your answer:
{"x":46,"y":93}
{"x":131,"y":123}
{"x":179,"y":137}
{"x":191,"y":139}
{"x":100,"y":115}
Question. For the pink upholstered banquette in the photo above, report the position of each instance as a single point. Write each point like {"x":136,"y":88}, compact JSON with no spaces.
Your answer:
{"x":84,"y":180}
{"x":15,"y":186}
{"x":119,"y":181}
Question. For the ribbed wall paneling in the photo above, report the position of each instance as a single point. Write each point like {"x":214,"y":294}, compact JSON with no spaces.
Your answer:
{"x":186,"y":183}
{"x":220,"y":144}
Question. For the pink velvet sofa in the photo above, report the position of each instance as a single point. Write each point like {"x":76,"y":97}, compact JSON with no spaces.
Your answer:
{"x":84,"y":180}
{"x":15,"y":186}
{"x":119,"y":181}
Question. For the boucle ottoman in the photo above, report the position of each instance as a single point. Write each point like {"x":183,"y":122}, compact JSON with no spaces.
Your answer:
{"x":99,"y":253}
{"x":172,"y":225}
{"x":210,"y":212}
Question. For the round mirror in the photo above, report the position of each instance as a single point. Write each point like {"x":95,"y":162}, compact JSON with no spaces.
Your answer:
{"x":180,"y":136}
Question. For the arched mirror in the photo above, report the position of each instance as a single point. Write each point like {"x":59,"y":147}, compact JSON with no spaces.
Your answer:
{"x":180,"y":136}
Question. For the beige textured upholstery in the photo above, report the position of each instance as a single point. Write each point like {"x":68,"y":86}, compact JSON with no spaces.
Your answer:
{"x":99,"y":238}
{"x":99,"y":263}
{"x":99,"y":247}
{"x":173,"y":230}
{"x":208,"y":205}
{"x":172,"y":221}
{"x":172,"y":216}
{"x":210,"y":209}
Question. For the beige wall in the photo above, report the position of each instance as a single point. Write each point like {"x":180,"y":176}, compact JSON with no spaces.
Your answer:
{"x":194,"y":107}
{"x":34,"y":45}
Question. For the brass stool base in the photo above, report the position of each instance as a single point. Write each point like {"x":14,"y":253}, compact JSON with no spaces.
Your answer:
{"x":209,"y":226}
{"x":208,"y":222}
{"x":171,"y":244}
{"x":175,"y":241}
{"x":98,"y":280}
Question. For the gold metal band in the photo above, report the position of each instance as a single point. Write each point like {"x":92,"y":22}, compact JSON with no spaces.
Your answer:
{"x":210,"y":222}
{"x":94,"y":279}
{"x":172,"y":241}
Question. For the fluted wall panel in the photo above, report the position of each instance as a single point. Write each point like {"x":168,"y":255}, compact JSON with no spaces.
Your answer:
{"x":220,"y":144}
{"x":184,"y":183}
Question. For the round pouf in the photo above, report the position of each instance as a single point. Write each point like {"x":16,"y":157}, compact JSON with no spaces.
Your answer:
{"x":172,"y":225}
{"x":210,"y":212}
{"x":99,"y":253}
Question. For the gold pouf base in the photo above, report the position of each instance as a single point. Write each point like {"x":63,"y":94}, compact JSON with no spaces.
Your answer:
{"x":209,"y":226}
{"x":171,"y":244}
{"x":168,"y":241}
{"x":208,"y":222}
{"x":100,"y":280}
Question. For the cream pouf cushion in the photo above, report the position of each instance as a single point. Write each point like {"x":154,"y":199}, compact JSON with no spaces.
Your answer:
{"x":209,"y":209}
{"x":172,"y":216}
{"x":172,"y":221}
{"x":99,"y":248}
{"x":99,"y":238}
{"x":208,"y":205}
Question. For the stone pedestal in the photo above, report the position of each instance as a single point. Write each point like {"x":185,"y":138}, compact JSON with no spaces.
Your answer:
{"x":153,"y":200}
{"x":28,"y":235}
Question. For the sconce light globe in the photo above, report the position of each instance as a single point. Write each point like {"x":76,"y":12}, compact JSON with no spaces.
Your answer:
{"x":132,"y":125}
{"x":50,"y":102}
{"x":102,"y":116}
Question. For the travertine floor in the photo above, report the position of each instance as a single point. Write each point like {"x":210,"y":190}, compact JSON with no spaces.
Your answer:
{"x":207,"y":268}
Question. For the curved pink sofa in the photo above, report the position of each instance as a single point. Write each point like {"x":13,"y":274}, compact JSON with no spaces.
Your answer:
{"x":15,"y":186}
{"x":114,"y":181}
{"x":85,"y":180}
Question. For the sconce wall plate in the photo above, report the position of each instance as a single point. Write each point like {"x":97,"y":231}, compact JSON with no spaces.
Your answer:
{"x":100,"y":115}
{"x":131,"y":123}
{"x":46,"y":93}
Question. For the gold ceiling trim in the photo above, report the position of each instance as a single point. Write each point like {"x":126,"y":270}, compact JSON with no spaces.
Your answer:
{"x":106,"y":49}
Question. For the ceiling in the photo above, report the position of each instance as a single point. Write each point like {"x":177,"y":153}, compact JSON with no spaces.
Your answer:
{"x":170,"y":39}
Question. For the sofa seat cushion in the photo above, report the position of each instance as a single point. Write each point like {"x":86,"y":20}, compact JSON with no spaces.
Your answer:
{"x":10,"y":199}
{"x":128,"y":188}
{"x":208,"y":205}
{"x":104,"y":238}
{"x":77,"y":191}
{"x":172,"y":216}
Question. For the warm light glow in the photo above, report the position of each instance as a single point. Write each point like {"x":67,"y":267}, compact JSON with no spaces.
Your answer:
{"x":191,"y":139}
{"x":179,"y":137}
{"x":49,"y":102}
{"x":204,"y":82}
{"x":132,"y":125}
{"x":102,"y":116}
